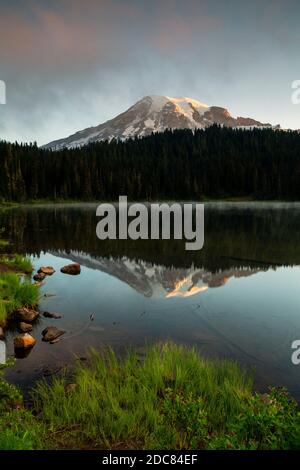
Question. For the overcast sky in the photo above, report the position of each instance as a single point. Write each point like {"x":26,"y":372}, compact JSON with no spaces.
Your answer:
{"x":71,"y":64}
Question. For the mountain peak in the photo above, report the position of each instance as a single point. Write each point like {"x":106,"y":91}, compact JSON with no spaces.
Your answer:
{"x":156,"y":113}
{"x":182,"y":104}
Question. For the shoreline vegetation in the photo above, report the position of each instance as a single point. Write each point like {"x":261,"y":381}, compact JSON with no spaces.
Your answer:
{"x":169,"y":397}
{"x":16,"y":289}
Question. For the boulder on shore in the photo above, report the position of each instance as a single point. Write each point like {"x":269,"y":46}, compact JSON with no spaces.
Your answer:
{"x":26,"y":315}
{"x":47,"y":270}
{"x":25,"y":327}
{"x":51,"y":333}
{"x":24,"y":341}
{"x":72,"y":269}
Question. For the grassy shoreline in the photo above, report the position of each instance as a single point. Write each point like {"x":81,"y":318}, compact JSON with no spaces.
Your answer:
{"x":171,"y":399}
{"x":16,"y":289}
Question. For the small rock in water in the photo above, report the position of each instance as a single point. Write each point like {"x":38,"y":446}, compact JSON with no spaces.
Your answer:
{"x":51,"y":333}
{"x":51,"y":315}
{"x":2,"y":335}
{"x":25,"y":327}
{"x":72,"y":269}
{"x":26,"y":315}
{"x":39,"y":276}
{"x":47,"y":270}
{"x":92,"y":317}
{"x":24,"y":341}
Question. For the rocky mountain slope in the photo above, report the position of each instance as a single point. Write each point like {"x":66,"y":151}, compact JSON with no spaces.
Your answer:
{"x":156,"y":114}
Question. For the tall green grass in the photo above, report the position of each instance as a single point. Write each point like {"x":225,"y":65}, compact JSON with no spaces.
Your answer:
{"x":19,"y":430}
{"x":16,"y":292}
{"x":174,"y":399}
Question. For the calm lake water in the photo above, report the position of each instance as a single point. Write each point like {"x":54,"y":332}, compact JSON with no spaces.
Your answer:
{"x":237,"y":298}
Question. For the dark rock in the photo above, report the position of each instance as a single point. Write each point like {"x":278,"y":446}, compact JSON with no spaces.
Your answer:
{"x":72,"y":269}
{"x":39,"y":276}
{"x":51,"y":315}
{"x":25,"y":327}
{"x":47,"y":270}
{"x":26,"y":315}
{"x":51,"y":333}
{"x":24,"y":341}
{"x":22,"y":353}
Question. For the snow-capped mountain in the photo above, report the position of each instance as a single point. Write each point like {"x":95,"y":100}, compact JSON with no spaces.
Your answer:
{"x":156,"y":114}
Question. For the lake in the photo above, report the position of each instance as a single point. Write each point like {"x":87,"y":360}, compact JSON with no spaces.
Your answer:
{"x":237,"y":298}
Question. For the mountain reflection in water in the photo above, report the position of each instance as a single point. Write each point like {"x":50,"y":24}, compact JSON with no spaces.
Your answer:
{"x":152,"y":280}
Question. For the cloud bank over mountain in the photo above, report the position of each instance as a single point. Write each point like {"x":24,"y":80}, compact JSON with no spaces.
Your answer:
{"x":69,"y":65}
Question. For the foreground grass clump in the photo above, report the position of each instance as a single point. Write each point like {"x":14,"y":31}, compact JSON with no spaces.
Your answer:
{"x":15,"y":292}
{"x":19,"y":429}
{"x":173,"y":399}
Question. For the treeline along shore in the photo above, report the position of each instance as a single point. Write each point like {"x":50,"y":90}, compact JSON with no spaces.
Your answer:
{"x":214,"y":163}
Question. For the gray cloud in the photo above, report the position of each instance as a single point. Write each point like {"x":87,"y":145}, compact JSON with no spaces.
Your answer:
{"x":70,"y":64}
